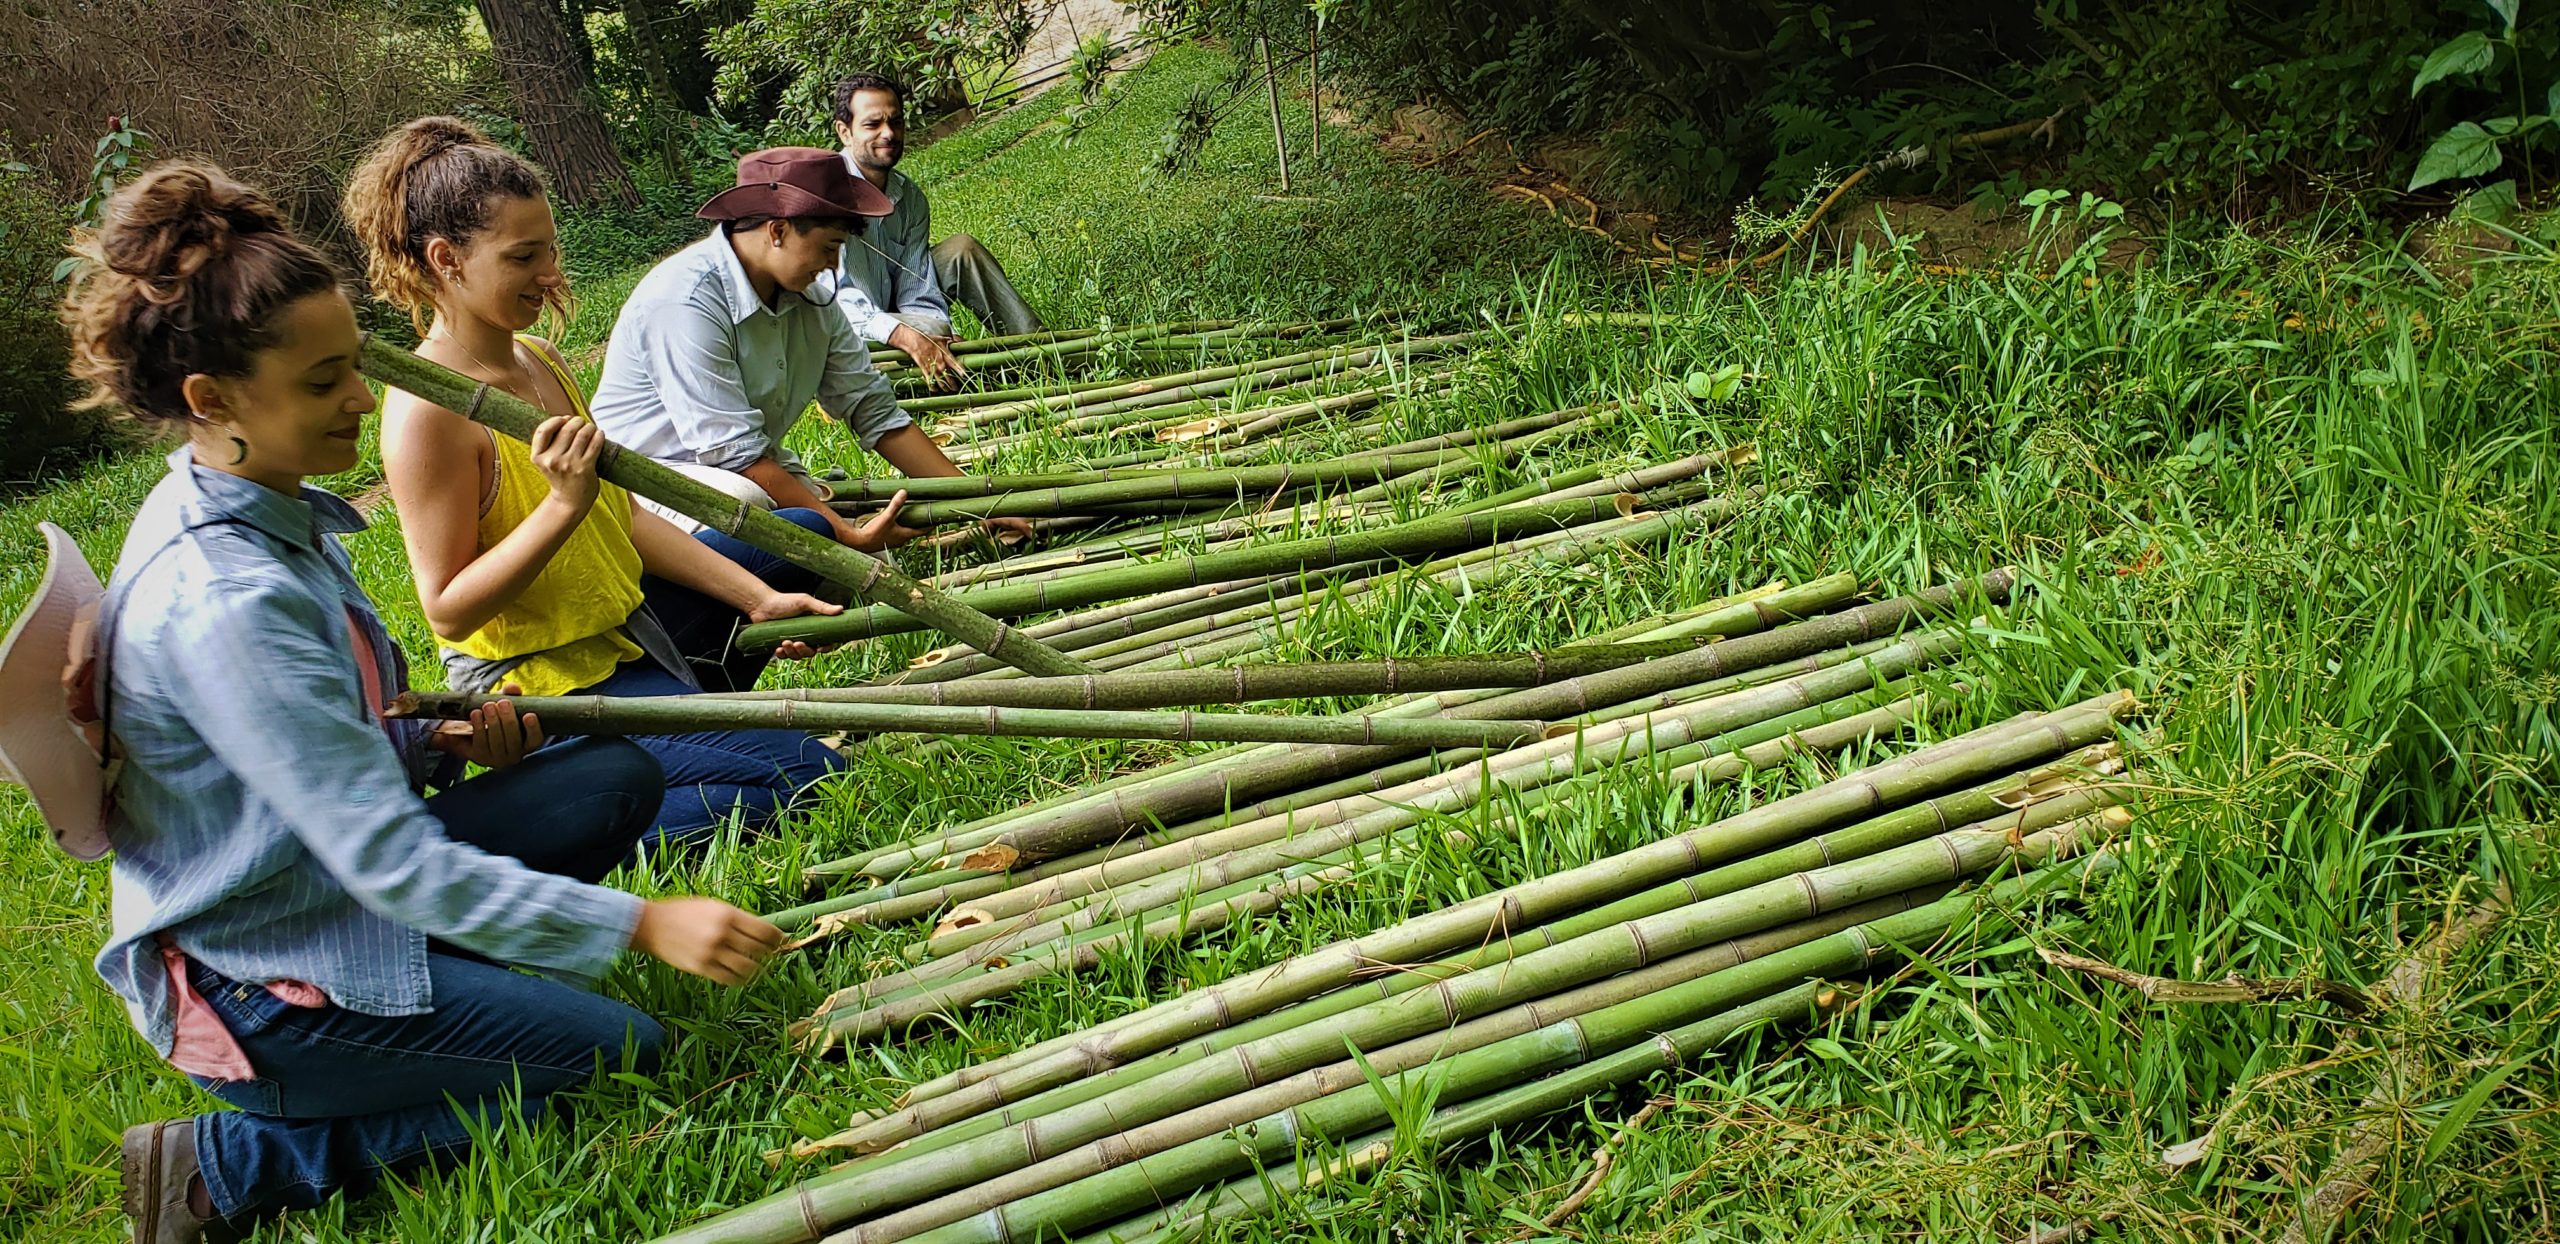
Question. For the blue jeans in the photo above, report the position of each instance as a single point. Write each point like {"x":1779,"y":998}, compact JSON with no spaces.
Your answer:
{"x":710,"y":773}
{"x":702,"y":626}
{"x":342,"y":1098}
{"x":756,"y":773}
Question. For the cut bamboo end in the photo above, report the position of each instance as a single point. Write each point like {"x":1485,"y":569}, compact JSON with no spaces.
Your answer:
{"x":960,"y":919}
{"x":995,"y":857}
{"x":1192,"y":431}
{"x":1742,"y":455}
{"x":1627,"y":504}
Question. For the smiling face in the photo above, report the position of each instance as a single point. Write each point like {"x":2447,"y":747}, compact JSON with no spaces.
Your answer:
{"x":505,"y":274}
{"x":798,"y":257}
{"x":876,"y":135}
{"x":300,"y":409}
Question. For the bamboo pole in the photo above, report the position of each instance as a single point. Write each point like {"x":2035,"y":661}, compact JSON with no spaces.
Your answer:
{"x":2051,"y":805}
{"x":686,"y":714}
{"x":1231,"y":484}
{"x":1423,"y":536}
{"x":870,"y":578}
{"x":1062,"y":1149}
{"x":1247,"y":683}
{"x":1985,"y":754}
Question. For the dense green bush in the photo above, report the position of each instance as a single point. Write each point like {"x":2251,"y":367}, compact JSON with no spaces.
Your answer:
{"x":2202,"y":103}
{"x":37,"y":423}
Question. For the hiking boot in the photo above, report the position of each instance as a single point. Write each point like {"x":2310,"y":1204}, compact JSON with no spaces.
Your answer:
{"x":159,"y":1164}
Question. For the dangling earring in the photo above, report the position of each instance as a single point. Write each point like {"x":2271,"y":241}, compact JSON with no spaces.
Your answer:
{"x":239,"y":451}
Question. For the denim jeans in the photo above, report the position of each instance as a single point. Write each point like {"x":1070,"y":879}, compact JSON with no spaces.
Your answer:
{"x":711,"y":773}
{"x":702,"y":627}
{"x":342,"y":1098}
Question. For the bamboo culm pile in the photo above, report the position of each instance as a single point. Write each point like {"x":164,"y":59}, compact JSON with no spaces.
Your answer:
{"x":1181,"y":1097}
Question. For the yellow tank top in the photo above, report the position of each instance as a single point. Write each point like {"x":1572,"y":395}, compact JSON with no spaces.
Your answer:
{"x":567,"y":623}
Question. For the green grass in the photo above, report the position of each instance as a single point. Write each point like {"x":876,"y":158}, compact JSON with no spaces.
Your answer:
{"x":2299,"y":496}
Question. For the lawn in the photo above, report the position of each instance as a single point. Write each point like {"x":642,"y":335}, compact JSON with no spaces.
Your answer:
{"x":2297,"y":492}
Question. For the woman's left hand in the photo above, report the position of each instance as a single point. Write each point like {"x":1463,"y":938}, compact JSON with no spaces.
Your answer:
{"x":495,"y":736}
{"x":792,"y":605}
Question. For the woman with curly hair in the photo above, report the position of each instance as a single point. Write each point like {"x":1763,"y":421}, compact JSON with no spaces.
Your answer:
{"x":531,"y":570}
{"x":296,"y":925}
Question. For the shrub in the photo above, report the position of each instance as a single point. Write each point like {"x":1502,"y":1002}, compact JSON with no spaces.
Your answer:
{"x":37,"y":422}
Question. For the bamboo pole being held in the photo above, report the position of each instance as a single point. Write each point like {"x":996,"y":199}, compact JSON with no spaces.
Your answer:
{"x":686,"y":714}
{"x":870,"y":578}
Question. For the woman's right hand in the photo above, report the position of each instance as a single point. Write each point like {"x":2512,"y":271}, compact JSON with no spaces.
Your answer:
{"x":705,"y":937}
{"x":565,"y":450}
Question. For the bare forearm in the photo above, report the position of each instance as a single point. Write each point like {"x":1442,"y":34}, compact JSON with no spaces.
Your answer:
{"x":914,"y":454}
{"x":789,"y":491}
{"x":680,"y":559}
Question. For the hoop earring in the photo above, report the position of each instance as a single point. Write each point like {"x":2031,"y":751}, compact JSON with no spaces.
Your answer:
{"x":240,"y":451}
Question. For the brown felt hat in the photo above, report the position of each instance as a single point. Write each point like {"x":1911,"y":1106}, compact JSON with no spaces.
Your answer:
{"x":789,"y":182}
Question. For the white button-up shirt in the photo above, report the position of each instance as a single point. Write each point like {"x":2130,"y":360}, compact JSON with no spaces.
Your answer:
{"x":700,"y":370}
{"x":888,"y":267}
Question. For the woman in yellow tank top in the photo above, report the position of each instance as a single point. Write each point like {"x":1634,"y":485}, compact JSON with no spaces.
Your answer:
{"x":534,"y":573}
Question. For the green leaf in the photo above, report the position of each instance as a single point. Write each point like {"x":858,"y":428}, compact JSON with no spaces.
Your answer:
{"x":2506,"y":11}
{"x":2494,"y":203}
{"x":2466,"y":150}
{"x":2460,"y":1116}
{"x":2468,"y":52}
{"x":2551,"y":99}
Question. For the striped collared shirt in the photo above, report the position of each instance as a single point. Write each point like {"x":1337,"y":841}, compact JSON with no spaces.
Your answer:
{"x":265,"y":820}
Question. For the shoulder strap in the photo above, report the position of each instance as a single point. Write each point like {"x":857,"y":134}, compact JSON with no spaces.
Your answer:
{"x":542,"y":350}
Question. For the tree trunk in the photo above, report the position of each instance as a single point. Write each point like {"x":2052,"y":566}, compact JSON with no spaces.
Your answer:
{"x":671,"y":37}
{"x":560,"y":122}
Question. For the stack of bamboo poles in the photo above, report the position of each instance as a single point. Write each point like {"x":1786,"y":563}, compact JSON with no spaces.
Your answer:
{"x":1505,"y":1006}
{"x":1508,"y":1006}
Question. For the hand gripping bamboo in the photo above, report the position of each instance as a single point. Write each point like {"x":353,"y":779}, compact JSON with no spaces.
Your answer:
{"x":870,"y":578}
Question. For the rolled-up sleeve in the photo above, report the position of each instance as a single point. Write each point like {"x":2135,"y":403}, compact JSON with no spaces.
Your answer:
{"x":864,"y":315}
{"x":693,"y":363}
{"x":278,"y":703}
{"x":854,"y":391}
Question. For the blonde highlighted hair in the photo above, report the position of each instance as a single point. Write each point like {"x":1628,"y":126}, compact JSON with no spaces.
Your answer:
{"x":436,"y":177}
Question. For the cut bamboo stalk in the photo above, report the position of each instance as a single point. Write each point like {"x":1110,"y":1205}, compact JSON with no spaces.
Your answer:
{"x":869,"y":578}
{"x":1008,"y":1191}
{"x":1985,"y":754}
{"x":2018,"y":805}
{"x":686,"y":714}
{"x":857,"y":1020}
{"x":1187,"y":795}
{"x":1240,"y":483}
{"x":1247,"y":683}
{"x":1424,"y":536}
{"x":923,"y":1132}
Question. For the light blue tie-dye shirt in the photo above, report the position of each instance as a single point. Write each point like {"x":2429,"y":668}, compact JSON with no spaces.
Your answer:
{"x":265,"y":819}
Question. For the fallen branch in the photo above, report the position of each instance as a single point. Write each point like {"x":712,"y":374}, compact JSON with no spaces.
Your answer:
{"x":2350,"y":1173}
{"x":2233,"y":988}
{"x":1600,"y":1164}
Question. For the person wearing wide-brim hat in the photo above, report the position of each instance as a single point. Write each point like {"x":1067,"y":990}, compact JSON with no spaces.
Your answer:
{"x":723,"y":345}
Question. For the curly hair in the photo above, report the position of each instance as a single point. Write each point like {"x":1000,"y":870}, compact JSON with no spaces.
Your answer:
{"x":187,"y":273}
{"x":858,"y":83}
{"x":436,"y":177}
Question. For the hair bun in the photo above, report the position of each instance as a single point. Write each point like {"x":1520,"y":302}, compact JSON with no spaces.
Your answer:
{"x":437,"y":135}
{"x":179,"y":217}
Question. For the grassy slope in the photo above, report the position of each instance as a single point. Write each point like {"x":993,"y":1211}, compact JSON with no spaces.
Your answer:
{"x":2302,"y":501}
